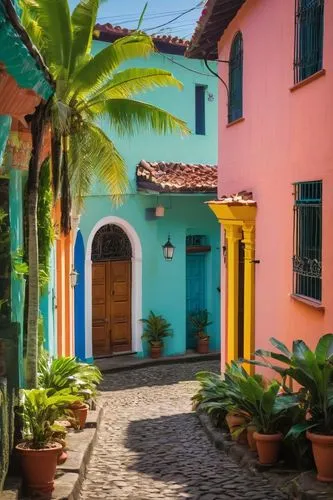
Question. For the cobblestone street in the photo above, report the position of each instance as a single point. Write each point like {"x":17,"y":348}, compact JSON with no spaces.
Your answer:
{"x":151,"y":446}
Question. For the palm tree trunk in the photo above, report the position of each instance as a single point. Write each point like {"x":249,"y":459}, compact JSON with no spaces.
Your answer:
{"x":66,"y":202}
{"x":37,"y":129}
{"x":56,"y":162}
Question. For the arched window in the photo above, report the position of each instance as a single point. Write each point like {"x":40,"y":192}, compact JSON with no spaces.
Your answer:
{"x":309,"y":29}
{"x":235,"y":108}
{"x":111,"y":243}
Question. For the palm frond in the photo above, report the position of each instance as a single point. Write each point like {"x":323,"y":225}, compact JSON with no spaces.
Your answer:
{"x":52,"y":18}
{"x":100,"y":68}
{"x":133,"y":81}
{"x":83,"y":22}
{"x":98,"y":159}
{"x":128,"y":116}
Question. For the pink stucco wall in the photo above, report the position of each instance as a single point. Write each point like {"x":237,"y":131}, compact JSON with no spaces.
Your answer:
{"x":285,"y":137}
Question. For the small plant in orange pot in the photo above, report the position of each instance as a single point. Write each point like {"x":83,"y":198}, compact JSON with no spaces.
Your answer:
{"x":156,"y":329}
{"x":39,"y":451}
{"x":200,"y":321}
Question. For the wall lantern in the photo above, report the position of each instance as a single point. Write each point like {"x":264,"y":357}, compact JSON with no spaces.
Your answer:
{"x":74,"y":276}
{"x":168,"y":250}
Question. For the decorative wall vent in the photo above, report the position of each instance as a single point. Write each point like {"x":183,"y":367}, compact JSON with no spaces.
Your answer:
{"x":197,"y":243}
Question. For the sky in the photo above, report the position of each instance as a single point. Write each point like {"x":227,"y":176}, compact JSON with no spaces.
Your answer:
{"x":126,"y":13}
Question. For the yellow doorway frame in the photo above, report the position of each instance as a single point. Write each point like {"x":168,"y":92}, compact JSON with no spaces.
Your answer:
{"x":238,"y":221}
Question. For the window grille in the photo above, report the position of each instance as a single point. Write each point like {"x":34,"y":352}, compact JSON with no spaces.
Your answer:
{"x":309,"y":29}
{"x":111,"y":243}
{"x":196,"y":240}
{"x":307,"y":239}
{"x":235,"y":107}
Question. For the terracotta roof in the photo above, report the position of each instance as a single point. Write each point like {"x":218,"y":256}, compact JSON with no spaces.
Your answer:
{"x":241,"y":198}
{"x":215,"y":18}
{"x":172,"y":177}
{"x":164,"y":43}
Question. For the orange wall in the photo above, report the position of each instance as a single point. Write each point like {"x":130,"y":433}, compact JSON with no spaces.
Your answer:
{"x":285,"y":137}
{"x":64,"y":293}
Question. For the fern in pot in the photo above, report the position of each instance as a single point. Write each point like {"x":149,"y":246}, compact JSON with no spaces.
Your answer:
{"x":39,"y":450}
{"x":156,"y":329}
{"x":200,"y":322}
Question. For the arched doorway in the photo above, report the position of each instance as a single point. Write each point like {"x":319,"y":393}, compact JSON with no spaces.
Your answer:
{"x":111,"y":286}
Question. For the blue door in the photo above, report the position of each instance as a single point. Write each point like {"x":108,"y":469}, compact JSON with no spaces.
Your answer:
{"x":195,"y":291}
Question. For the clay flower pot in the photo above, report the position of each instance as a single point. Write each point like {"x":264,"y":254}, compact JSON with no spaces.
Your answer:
{"x":155,"y":350}
{"x":80,"y":412}
{"x":62,"y":457}
{"x":39,"y":466}
{"x":268,"y":447}
{"x":322,"y":447}
{"x":250,"y":438}
{"x":235,"y":421}
{"x":203,"y":345}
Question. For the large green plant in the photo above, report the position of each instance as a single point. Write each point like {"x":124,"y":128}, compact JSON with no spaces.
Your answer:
{"x":313,"y":371}
{"x":212,"y":397}
{"x":68,"y":373}
{"x":39,"y":411}
{"x":156,"y":328}
{"x":45,"y":223}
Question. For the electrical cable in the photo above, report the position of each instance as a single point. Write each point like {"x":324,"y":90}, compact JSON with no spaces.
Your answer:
{"x":188,"y":69}
{"x":217,"y":75}
{"x":177,"y":17}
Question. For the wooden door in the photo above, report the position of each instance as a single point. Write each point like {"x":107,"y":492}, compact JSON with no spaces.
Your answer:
{"x":100,"y":310}
{"x":111,"y":307}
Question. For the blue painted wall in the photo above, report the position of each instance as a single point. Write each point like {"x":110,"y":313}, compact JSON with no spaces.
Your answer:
{"x":79,"y":306}
{"x":164,"y":283}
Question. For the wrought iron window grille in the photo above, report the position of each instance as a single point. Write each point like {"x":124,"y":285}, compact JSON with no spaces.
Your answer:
{"x":309,"y":30}
{"x":307,"y":254}
{"x":111,"y":243}
{"x":235,"y":103}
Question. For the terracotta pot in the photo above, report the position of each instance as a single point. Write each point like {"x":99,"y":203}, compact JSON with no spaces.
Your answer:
{"x":268,"y":446}
{"x":203,"y":345}
{"x":39,"y":467}
{"x":155,"y":351}
{"x":250,"y":439}
{"x":242,"y":438}
{"x":80,"y":413}
{"x":62,"y":457}
{"x":322,"y":447}
{"x":234,"y":421}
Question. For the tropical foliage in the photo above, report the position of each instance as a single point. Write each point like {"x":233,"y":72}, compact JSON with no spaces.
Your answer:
{"x":156,"y":328}
{"x":313,"y":371}
{"x":66,"y":373}
{"x":39,"y":410}
{"x":200,"y":321}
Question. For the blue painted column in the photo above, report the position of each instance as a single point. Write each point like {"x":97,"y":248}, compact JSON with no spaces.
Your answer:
{"x":5,"y":124}
{"x":16,"y":243}
{"x":79,"y":306}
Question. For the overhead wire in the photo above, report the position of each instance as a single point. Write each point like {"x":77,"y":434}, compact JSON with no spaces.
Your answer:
{"x":187,"y":68}
{"x":175,"y":18}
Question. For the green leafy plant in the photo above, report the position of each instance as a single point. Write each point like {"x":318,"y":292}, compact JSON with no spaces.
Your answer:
{"x":313,"y":371}
{"x":200,"y":321}
{"x":156,"y":329}
{"x":45,"y":223}
{"x":56,"y":375}
{"x":212,"y":397}
{"x":39,"y":411}
{"x":19,"y":267}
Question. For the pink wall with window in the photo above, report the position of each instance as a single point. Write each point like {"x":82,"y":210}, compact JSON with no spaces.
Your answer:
{"x":286,"y":136}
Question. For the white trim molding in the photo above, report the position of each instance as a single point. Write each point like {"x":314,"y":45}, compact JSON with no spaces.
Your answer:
{"x":136,"y":283}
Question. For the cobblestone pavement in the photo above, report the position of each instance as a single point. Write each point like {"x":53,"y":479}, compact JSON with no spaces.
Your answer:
{"x":151,"y":446}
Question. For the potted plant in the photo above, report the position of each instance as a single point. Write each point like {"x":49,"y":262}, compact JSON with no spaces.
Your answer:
{"x":267,"y":410}
{"x":313,"y":371}
{"x":211,"y":397}
{"x":156,"y":329}
{"x":39,"y":450}
{"x":68,"y":373}
{"x":200,"y":321}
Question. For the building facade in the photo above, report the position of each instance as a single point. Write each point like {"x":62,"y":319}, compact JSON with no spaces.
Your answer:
{"x":118,"y":252}
{"x":275,"y":167}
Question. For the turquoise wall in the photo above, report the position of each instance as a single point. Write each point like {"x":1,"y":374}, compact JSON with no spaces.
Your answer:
{"x":164,"y":283}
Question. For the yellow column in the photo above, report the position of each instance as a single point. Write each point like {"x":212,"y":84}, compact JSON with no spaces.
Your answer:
{"x":249,"y":291}
{"x":233,"y":236}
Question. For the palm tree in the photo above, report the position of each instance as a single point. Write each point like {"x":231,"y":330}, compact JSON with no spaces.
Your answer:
{"x":91,"y":88}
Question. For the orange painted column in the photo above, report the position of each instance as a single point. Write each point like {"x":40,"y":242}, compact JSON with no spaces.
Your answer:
{"x":64,"y":300}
